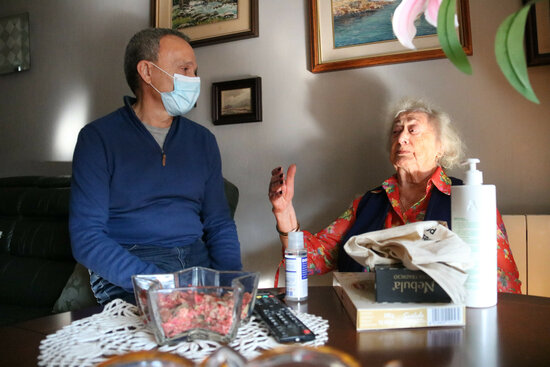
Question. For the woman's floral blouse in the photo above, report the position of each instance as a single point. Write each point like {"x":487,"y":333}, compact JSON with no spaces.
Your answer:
{"x":323,"y":247}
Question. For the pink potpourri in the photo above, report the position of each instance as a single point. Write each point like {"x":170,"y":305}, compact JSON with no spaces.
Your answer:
{"x":181,"y":311}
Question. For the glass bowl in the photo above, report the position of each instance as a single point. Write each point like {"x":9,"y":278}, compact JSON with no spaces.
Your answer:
{"x":147,"y":359}
{"x":195,"y":303}
{"x":304,"y":356}
{"x":285,"y":356}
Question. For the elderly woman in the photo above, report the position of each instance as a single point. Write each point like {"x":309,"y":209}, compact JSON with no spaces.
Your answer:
{"x":422,"y":144}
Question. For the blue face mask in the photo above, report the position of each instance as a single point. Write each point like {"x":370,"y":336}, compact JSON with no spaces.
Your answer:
{"x":184,"y":96}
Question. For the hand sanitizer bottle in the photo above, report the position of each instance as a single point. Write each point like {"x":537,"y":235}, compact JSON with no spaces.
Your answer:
{"x":473,"y":219}
{"x":296,"y":267}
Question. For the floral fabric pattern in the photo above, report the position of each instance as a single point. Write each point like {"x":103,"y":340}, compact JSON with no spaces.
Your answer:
{"x":322,"y":247}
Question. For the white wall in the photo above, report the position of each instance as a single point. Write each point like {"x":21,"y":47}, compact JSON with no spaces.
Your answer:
{"x":331,"y":124}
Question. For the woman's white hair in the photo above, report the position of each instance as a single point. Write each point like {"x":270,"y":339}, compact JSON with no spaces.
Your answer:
{"x":451,"y":144}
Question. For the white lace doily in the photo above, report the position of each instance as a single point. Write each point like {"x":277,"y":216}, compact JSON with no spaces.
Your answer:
{"x":118,"y":329}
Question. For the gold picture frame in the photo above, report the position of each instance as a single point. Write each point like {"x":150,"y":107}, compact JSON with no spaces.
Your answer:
{"x":244,"y":25}
{"x":324,"y":56}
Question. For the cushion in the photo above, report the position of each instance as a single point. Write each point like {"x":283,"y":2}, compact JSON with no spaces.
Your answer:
{"x":77,"y":293}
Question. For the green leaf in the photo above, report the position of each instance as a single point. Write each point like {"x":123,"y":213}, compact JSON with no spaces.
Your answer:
{"x":510,"y":54}
{"x":448,"y":38}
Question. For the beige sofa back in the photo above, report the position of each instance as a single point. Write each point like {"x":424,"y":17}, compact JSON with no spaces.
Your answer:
{"x":529,"y":237}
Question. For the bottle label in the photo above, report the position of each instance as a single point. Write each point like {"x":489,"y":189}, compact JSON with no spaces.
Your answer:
{"x":473,"y":219}
{"x":482,"y":276}
{"x":296,"y":276}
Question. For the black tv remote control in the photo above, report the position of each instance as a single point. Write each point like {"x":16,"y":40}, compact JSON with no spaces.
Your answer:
{"x":282,"y":323}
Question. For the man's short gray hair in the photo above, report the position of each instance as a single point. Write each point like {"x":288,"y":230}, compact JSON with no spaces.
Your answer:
{"x":451,"y":144}
{"x":144,"y":45}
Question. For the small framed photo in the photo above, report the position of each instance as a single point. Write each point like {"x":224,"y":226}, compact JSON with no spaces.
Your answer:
{"x":237,"y":101}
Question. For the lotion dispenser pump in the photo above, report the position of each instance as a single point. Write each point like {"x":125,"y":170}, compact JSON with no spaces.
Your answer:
{"x":473,"y":175}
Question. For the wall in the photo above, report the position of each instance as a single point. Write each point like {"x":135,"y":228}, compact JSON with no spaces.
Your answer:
{"x":331,"y":124}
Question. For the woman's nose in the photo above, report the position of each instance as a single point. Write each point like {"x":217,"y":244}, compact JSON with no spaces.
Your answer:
{"x":403,"y":137}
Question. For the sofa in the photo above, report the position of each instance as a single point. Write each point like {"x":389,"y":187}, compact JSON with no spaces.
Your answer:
{"x":38,"y":274}
{"x":36,"y":261}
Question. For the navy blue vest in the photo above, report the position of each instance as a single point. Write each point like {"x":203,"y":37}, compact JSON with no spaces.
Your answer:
{"x":371,"y":214}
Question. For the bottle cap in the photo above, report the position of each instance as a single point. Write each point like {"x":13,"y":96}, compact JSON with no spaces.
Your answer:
{"x":473,"y":176}
{"x":295,"y":240}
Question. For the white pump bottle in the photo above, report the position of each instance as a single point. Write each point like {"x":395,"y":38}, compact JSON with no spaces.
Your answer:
{"x":473,"y":219}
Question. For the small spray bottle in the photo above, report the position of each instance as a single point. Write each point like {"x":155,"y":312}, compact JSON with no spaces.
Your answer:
{"x":296,"y":267}
{"x":473,"y":219}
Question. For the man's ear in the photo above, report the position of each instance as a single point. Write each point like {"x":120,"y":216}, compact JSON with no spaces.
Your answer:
{"x":144,"y":71}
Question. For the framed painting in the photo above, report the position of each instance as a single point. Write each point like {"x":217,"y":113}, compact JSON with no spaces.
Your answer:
{"x":15,"y":52}
{"x":207,"y":22}
{"x":347,"y":34}
{"x":537,"y":34}
{"x":237,"y":101}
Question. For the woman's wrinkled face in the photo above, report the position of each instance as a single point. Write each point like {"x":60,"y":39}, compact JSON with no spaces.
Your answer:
{"x":415,"y":145}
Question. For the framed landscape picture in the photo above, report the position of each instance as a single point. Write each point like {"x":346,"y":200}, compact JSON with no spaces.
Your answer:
{"x":208,"y":22}
{"x":348,"y":34}
{"x":237,"y":101}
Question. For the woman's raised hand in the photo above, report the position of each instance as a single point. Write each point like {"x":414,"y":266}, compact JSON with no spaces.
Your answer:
{"x":281,"y":189}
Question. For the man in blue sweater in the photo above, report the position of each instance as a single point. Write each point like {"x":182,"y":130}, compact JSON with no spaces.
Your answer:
{"x":147,"y":192}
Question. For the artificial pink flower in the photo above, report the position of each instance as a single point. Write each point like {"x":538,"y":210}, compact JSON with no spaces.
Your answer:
{"x":407,"y":12}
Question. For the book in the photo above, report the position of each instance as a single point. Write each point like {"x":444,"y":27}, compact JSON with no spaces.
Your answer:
{"x":357,"y":294}
{"x":396,"y":283}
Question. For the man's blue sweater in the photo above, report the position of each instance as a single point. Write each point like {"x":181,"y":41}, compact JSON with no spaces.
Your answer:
{"x":126,"y":189}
